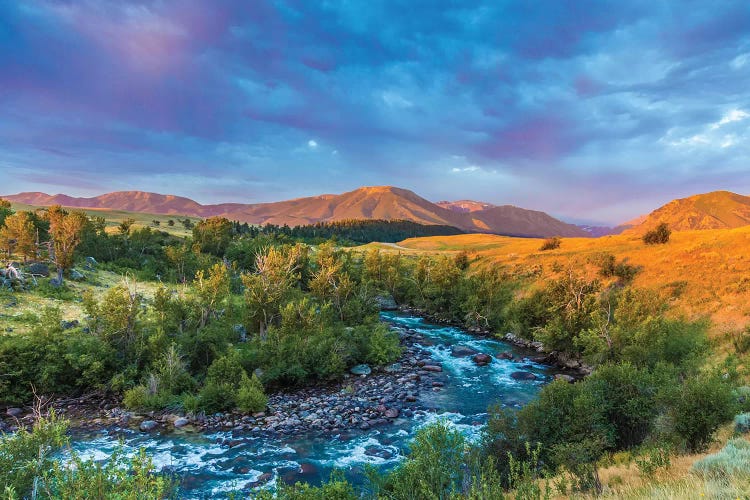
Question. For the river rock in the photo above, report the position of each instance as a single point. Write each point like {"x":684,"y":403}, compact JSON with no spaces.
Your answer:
{"x":361,"y":370}
{"x":14,"y":412}
{"x":505,"y":355}
{"x":391,"y":413}
{"x":461,"y":351}
{"x":567,"y":378}
{"x":482,"y":359}
{"x":181,"y":422}
{"x":522,"y":376}
{"x":432,"y":368}
{"x":148,"y":425}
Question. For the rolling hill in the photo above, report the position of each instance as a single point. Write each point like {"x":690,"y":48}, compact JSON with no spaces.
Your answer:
{"x":715,"y":210}
{"x":379,"y":202}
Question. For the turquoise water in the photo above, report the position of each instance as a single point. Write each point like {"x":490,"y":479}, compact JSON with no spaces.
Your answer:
{"x":208,"y":469}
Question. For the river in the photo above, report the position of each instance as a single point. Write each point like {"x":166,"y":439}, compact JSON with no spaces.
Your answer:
{"x":209,"y":469}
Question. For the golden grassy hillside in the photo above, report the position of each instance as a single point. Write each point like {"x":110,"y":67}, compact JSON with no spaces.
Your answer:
{"x":704,"y":273}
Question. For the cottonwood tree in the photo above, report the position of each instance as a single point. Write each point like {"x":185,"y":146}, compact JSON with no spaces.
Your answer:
{"x":276,"y":273}
{"x":331,"y":282}
{"x":5,"y":210}
{"x":65,"y":230}
{"x":212,"y":291}
{"x":17,"y":235}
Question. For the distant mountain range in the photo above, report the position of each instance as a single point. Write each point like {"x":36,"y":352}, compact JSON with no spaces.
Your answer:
{"x":715,"y":210}
{"x":380,"y":202}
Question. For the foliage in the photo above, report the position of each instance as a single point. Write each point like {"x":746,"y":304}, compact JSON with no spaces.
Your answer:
{"x":698,"y":407}
{"x":733,"y":460}
{"x":25,"y":456}
{"x":118,"y":478}
{"x":658,"y":236}
{"x":551,"y":244}
{"x":250,"y":397}
{"x":66,"y":230}
{"x":213,"y":235}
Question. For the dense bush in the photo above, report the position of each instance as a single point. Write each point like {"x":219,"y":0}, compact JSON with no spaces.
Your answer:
{"x":658,"y":236}
{"x":551,"y":244}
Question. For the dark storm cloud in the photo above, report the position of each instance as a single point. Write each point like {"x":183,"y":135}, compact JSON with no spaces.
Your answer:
{"x":616,"y":105}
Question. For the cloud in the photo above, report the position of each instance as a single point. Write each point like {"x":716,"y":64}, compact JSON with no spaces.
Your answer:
{"x":551,"y":102}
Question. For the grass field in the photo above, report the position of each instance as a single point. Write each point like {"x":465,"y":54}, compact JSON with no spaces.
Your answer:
{"x":702,"y":273}
{"x":115,"y":217}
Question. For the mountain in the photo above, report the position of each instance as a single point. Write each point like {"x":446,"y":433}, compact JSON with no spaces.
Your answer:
{"x":599,"y":231}
{"x":464,"y":205}
{"x":378,"y":202}
{"x":715,"y":210}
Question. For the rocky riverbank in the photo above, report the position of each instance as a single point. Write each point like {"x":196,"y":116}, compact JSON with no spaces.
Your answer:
{"x":377,"y":397}
{"x":354,"y":402}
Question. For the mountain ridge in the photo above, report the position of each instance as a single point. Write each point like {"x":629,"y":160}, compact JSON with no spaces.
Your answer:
{"x":712,"y":210}
{"x":368,"y":202}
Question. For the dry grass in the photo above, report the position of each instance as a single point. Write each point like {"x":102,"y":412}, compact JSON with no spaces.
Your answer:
{"x":703,"y":273}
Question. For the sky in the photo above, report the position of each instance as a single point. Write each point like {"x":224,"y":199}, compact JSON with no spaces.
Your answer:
{"x":592,"y":111}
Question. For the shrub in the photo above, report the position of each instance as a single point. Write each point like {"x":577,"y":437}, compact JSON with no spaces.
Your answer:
{"x":699,"y":407}
{"x":118,"y":477}
{"x":382,"y":346}
{"x":742,"y":423}
{"x":551,"y":244}
{"x":250,"y":397}
{"x":26,"y":455}
{"x":658,"y":236}
{"x":733,"y":460}
{"x":653,"y":460}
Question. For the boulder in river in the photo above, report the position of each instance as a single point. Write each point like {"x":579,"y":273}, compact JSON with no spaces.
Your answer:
{"x":505,"y":355}
{"x":522,"y":376}
{"x":432,"y":368}
{"x":482,"y":359}
{"x":391,"y":413}
{"x":148,"y":425}
{"x":461,"y":351}
{"x":361,"y":370}
{"x":14,"y":412}
{"x":181,"y":422}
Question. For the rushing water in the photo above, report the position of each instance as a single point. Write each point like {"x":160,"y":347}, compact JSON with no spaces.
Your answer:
{"x":208,"y":469}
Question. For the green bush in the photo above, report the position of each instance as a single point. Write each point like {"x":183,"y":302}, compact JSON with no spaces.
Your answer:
{"x":117,"y":478}
{"x":742,"y":423}
{"x":26,"y":455}
{"x":382,"y":346}
{"x":698,"y":408}
{"x":251,"y":397}
{"x":658,"y":236}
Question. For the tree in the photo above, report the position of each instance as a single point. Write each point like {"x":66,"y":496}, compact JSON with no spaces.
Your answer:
{"x":331,"y":282}
{"x":156,"y":223}
{"x":170,"y":222}
{"x":65,"y":230}
{"x":17,"y":236}
{"x":658,"y":236}
{"x":211,"y":290}
{"x":125,"y":226}
{"x":5,"y":210}
{"x":213,"y":235}
{"x":275,"y":275}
